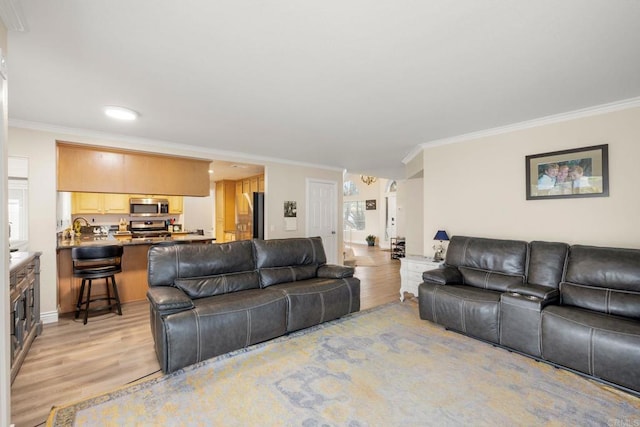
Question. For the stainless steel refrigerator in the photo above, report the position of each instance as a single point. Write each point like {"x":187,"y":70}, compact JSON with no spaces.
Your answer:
{"x":258,"y":215}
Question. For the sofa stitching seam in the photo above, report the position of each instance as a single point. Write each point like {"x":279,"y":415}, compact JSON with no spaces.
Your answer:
{"x":248,"y":341}
{"x":591,"y":351}
{"x":544,"y":312}
{"x":239,"y":309}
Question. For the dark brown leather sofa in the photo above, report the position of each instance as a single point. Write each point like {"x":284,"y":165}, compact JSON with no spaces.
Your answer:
{"x":208,"y":300}
{"x":576,"y":307}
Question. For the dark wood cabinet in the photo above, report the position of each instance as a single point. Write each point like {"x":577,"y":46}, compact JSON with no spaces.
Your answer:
{"x":24,"y":282}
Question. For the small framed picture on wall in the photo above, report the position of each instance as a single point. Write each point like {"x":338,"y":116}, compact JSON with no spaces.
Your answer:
{"x":371,"y":205}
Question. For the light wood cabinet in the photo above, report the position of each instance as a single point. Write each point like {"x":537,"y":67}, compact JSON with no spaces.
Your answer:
{"x":243,"y":206}
{"x":83,"y":168}
{"x":225,"y":210}
{"x":109,"y":203}
{"x":176,"y":204}
{"x":99,"y":203}
{"x":116,"y":203}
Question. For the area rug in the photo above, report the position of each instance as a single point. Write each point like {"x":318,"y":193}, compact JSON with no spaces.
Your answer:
{"x":381,"y":367}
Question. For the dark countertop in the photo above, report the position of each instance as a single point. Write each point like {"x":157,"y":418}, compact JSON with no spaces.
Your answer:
{"x":111,"y":240}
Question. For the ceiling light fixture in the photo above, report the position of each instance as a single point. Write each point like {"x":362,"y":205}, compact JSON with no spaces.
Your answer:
{"x":368,"y":179}
{"x":120,"y":113}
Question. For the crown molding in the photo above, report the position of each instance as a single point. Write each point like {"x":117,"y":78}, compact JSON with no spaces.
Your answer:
{"x":547,"y":120}
{"x":153,"y":145}
{"x":12,"y":15}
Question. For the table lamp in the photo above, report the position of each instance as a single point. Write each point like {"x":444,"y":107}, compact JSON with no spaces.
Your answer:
{"x":441,"y":235}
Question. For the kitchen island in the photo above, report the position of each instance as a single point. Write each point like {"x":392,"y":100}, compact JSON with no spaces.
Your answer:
{"x":132,"y":282}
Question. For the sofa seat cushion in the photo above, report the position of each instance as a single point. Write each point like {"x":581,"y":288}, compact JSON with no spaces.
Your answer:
{"x":601,"y":345}
{"x":472,"y":311}
{"x":223,"y":323}
{"x":318,"y":300}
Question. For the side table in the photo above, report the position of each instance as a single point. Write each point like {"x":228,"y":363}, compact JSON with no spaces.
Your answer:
{"x":411,"y":269}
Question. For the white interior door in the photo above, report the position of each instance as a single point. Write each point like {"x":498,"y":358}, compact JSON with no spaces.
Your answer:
{"x":392,"y":216}
{"x":322,"y":215}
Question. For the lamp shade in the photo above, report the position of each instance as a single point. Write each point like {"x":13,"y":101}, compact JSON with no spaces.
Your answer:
{"x":441,"y":235}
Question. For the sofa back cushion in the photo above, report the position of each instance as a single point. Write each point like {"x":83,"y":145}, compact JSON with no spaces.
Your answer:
{"x":603,"y":279}
{"x":488,"y":263}
{"x":547,"y":261}
{"x":288,"y":260}
{"x":202,"y":270}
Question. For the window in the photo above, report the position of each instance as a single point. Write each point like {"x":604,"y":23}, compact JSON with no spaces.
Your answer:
{"x":349,"y":188}
{"x":18,"y":218}
{"x":392,"y":186}
{"x":354,"y":215}
{"x":18,"y":201}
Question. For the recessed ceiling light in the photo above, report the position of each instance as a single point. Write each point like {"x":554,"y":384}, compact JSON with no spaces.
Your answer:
{"x":120,"y":113}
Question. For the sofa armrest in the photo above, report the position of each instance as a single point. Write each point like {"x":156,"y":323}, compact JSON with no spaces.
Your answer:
{"x":167,"y":299}
{"x":332,"y":271}
{"x":545,"y":293}
{"x":443,"y":276}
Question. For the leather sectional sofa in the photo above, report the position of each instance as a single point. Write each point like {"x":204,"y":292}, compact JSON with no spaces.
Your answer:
{"x":576,"y":307}
{"x":210,"y":299}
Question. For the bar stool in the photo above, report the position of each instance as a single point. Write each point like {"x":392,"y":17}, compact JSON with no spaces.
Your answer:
{"x":97,"y":262}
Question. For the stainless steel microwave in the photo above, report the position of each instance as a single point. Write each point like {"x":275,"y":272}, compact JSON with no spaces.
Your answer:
{"x":148,"y":207}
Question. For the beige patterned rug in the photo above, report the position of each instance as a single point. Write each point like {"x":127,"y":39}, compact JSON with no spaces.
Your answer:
{"x":381,"y":367}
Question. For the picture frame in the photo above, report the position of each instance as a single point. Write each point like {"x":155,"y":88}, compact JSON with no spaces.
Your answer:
{"x":290,"y":209}
{"x":370,"y":205}
{"x":579,"y":172}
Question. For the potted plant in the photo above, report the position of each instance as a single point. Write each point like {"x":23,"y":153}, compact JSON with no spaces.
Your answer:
{"x":371,"y":240}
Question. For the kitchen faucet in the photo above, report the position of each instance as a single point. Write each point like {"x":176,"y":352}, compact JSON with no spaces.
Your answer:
{"x":76,"y":224}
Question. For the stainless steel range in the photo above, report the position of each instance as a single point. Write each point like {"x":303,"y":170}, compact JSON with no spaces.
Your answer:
{"x":150,"y":228}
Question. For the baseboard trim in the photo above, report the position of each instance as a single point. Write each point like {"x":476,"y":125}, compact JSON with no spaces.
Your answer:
{"x":49,"y":317}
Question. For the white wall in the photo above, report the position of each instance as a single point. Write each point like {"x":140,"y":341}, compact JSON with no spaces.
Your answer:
{"x":40,"y":149}
{"x":413,"y":210}
{"x":288,"y":183}
{"x":477,"y":187}
{"x":199,"y":213}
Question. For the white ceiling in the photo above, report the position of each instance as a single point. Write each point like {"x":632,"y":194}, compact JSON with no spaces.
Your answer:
{"x":354,"y":84}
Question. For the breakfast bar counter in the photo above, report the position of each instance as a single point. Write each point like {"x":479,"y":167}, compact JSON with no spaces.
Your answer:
{"x":132,"y":281}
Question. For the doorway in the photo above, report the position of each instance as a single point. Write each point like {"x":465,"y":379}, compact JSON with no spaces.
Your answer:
{"x":322,"y":215}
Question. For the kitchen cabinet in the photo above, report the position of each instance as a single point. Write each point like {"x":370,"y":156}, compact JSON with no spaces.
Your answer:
{"x":99,"y":203}
{"x":243,"y":206}
{"x":83,"y":168}
{"x":24,"y":285}
{"x":244,"y":193}
{"x":225,"y":210}
{"x":175,"y":204}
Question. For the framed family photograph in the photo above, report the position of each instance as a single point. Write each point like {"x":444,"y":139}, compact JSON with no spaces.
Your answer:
{"x":580,"y":172}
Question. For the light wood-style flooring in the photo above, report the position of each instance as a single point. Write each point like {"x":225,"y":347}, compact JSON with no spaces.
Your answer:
{"x":71,"y":361}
